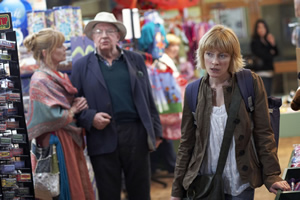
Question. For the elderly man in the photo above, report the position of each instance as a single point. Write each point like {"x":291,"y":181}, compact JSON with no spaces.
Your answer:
{"x":122,"y":122}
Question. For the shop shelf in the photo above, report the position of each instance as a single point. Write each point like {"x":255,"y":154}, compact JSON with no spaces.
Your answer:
{"x":291,"y":172}
{"x":288,"y":195}
{"x":290,"y":161}
{"x":287,"y":175}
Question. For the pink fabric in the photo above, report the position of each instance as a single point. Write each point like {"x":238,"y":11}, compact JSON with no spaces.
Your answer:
{"x":51,"y":91}
{"x":171,"y":125}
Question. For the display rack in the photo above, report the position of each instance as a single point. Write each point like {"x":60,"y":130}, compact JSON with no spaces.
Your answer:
{"x":15,"y":163}
{"x":289,"y":172}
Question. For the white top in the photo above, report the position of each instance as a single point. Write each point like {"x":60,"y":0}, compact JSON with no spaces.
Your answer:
{"x":232,"y":180}
{"x":166,"y":60}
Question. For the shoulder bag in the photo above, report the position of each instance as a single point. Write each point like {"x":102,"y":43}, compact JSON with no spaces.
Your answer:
{"x":45,"y":172}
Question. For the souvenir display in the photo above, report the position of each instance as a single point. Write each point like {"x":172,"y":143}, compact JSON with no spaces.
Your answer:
{"x":15,"y":164}
{"x":292,"y":175}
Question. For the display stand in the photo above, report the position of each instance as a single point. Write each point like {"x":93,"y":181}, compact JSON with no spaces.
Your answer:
{"x":289,"y":172}
{"x":15,"y":163}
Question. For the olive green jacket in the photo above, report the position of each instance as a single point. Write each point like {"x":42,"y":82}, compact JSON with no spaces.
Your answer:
{"x":257,"y":169}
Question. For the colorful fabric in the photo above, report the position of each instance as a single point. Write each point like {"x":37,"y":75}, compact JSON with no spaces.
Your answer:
{"x":64,"y":183}
{"x":50,"y":100}
{"x":166,"y":91}
{"x":157,"y":91}
{"x":171,"y":125}
{"x":153,"y":39}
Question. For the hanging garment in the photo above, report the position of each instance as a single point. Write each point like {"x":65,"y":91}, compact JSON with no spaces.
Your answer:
{"x":153,"y":39}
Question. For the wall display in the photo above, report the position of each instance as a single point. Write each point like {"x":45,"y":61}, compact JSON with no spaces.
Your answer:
{"x":234,"y":19}
{"x":15,"y":164}
{"x":66,"y":19}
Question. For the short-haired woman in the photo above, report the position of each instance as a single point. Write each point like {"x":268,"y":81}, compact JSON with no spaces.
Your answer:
{"x":220,"y":55}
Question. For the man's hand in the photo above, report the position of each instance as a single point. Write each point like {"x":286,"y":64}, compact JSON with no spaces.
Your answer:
{"x":101,"y":120}
{"x":175,"y":198}
{"x":158,"y":141}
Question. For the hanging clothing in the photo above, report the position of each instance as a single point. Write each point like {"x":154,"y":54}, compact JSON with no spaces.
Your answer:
{"x":153,"y":39}
{"x":51,"y":96}
{"x":165,"y":61}
{"x":168,"y":88}
{"x":194,"y":33}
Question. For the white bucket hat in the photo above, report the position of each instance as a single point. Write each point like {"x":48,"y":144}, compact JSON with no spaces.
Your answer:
{"x":105,"y":17}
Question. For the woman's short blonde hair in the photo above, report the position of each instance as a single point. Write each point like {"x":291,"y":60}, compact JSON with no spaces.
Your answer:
{"x":173,"y":39}
{"x":47,"y":39}
{"x":223,"y":39}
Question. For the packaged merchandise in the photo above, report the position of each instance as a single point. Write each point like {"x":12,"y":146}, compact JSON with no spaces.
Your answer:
{"x":63,"y":17}
{"x":77,"y":19}
{"x":49,"y":16}
{"x":295,"y":160}
{"x":36,"y":21}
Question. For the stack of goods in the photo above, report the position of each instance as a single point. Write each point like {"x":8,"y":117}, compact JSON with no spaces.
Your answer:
{"x":295,"y":160}
{"x":66,"y":19}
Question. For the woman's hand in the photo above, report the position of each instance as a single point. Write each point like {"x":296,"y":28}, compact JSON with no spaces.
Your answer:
{"x":280,"y":185}
{"x":79,"y":104}
{"x":271,"y":39}
{"x":175,"y":198}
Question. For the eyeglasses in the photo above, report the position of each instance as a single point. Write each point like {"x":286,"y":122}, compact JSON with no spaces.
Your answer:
{"x":107,"y":32}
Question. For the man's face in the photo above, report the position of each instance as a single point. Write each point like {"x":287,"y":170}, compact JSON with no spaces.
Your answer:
{"x":105,"y":36}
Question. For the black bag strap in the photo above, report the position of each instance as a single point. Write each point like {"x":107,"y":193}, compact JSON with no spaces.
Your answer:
{"x":191,"y":92}
{"x":231,"y":122}
{"x":245,"y":82}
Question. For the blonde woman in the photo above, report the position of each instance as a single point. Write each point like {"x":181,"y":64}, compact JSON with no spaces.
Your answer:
{"x":220,"y":55}
{"x":51,"y":113}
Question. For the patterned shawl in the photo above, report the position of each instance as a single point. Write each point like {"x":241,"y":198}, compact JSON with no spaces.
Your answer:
{"x":51,"y":97}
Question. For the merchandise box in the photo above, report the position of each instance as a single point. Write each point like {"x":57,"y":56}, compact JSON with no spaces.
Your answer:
{"x":292,"y":195}
{"x":291,"y":159}
{"x":287,"y":175}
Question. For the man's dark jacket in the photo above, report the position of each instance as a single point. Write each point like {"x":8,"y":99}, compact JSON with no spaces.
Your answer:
{"x":88,"y":79}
